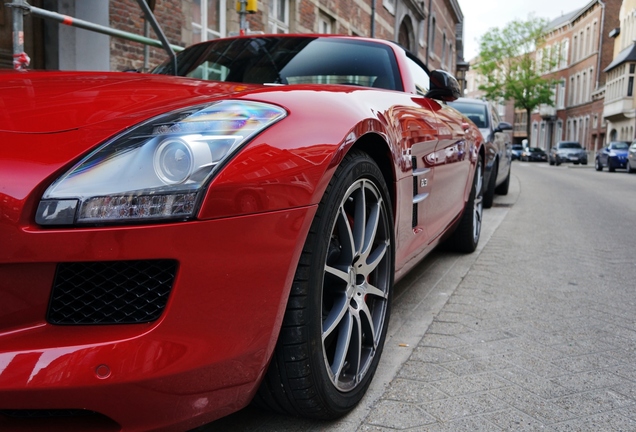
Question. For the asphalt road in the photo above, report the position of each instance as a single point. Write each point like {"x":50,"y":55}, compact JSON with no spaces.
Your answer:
{"x":562,"y":240}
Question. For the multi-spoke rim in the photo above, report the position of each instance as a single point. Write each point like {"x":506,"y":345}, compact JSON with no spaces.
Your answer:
{"x":478,"y":207}
{"x":356,"y":285}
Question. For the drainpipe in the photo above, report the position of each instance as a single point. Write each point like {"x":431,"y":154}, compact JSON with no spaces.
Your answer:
{"x":428,"y":30}
{"x":598,"y":66}
{"x":600,"y":44}
{"x":373,"y":18}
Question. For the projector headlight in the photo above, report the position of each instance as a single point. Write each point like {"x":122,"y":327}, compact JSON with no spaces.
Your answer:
{"x":157,"y":170}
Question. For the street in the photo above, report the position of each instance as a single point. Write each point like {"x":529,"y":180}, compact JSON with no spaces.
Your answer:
{"x":535,"y":330}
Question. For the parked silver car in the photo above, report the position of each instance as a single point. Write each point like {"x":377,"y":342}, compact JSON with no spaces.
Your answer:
{"x":631,"y":158}
{"x":567,"y":151}
{"x":498,"y":143}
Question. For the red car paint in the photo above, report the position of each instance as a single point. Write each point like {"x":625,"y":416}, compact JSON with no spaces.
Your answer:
{"x":206,"y":354}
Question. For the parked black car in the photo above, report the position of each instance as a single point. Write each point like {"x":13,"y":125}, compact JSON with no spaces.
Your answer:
{"x":631,"y":158}
{"x":613,"y":156}
{"x":534,"y":154}
{"x":517,"y":149}
{"x":498,"y":143}
{"x":568,"y":151}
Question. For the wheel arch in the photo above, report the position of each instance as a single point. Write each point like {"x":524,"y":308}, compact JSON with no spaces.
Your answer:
{"x":378,"y":149}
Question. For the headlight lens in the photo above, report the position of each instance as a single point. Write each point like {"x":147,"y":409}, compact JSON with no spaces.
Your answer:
{"x":157,"y":170}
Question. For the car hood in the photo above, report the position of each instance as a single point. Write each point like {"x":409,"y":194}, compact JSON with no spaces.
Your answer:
{"x":54,"y":102}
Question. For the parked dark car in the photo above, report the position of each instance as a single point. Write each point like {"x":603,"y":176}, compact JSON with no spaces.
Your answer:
{"x":534,"y":154}
{"x":517,"y":149}
{"x":568,"y":151}
{"x":613,"y":156}
{"x":631,"y":158}
{"x":498,"y":143}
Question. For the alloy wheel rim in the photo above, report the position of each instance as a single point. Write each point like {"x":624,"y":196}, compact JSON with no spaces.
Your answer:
{"x":356,"y":285}
{"x":478,"y":207}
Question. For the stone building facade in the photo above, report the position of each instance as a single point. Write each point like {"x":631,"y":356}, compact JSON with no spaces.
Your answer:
{"x":580,"y":48}
{"x":619,"y":109}
{"x":432,"y":29}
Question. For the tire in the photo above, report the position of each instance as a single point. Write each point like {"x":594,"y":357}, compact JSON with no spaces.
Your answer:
{"x":489,"y":193}
{"x":598,"y":166}
{"x":551,"y":162}
{"x":629,"y":167}
{"x":610,"y":167}
{"x":466,"y":236}
{"x":338,"y":311}
{"x":503,"y":188}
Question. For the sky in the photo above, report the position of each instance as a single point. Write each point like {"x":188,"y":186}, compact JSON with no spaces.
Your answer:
{"x":482,"y":15}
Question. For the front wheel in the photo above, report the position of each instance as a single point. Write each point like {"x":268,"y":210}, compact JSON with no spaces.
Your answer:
{"x":503,"y":188}
{"x":339,"y":305}
{"x":610,"y":166}
{"x":598,"y":165}
{"x":466,"y":236}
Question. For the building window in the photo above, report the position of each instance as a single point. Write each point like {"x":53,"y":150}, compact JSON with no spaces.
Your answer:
{"x":279,"y":16}
{"x":565,"y":46}
{"x":208,"y":20}
{"x":389,"y":5}
{"x":422,"y":33}
{"x":325,"y":24}
{"x":561,"y":95}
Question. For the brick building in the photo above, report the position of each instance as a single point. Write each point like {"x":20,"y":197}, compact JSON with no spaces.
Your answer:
{"x":580,"y":48}
{"x":620,"y":105}
{"x":432,"y":29}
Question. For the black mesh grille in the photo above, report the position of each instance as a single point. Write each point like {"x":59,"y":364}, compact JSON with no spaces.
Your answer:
{"x":117,"y":292}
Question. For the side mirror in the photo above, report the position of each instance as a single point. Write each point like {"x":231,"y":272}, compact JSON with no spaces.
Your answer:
{"x":503,"y":126}
{"x":444,"y":86}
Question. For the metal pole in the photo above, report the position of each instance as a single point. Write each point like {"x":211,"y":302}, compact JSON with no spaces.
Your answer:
{"x":20,"y":58}
{"x":22,"y":6}
{"x":243,"y":17}
{"x":150,"y":17}
{"x":373,"y":18}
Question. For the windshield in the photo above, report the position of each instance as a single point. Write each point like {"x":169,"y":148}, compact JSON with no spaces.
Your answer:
{"x":619,"y":145}
{"x":289,"y":60}
{"x":569,"y":145}
{"x":477,"y":113}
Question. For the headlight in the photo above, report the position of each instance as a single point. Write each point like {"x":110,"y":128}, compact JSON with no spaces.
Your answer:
{"x":157,"y":170}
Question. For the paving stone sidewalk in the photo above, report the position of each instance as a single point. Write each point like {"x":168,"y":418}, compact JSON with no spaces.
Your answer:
{"x":542,"y":343}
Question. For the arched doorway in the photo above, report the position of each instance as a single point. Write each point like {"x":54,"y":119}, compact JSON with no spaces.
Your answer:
{"x":405,"y":34}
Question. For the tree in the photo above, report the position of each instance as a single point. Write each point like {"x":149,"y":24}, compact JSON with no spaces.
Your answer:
{"x":508,"y":60}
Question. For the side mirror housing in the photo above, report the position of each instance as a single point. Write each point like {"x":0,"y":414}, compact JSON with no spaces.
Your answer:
{"x":503,"y":126}
{"x":444,"y":86}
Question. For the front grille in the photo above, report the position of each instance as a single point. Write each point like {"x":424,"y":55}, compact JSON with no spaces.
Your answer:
{"x":110,"y":292}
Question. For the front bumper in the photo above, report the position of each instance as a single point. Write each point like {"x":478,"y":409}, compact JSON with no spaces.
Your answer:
{"x":573,"y":158}
{"x":203,"y":358}
{"x":617,"y":161}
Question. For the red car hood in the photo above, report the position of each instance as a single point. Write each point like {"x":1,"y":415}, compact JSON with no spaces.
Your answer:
{"x":53,"y":102}
{"x":49,"y":119}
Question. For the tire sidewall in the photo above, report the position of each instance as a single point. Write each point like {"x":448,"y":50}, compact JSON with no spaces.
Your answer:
{"x":356,"y":166}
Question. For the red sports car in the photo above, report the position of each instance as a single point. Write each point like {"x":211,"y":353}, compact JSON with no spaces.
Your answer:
{"x":175,"y":245}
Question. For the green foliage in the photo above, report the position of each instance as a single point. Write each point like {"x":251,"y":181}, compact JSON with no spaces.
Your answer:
{"x":513,"y":71}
